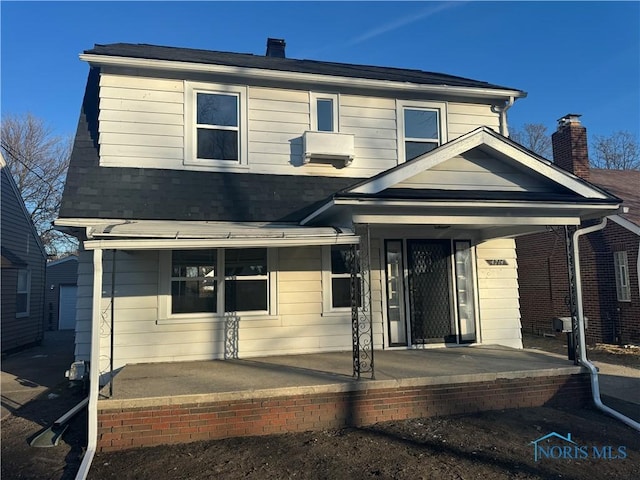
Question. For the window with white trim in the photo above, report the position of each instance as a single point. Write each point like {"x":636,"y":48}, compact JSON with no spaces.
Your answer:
{"x":219,"y":281}
{"x":421,"y":128}
{"x":215,"y":124}
{"x":23,"y":289}
{"x":341,"y":263}
{"x":621,"y":266}
{"x":324,"y":112}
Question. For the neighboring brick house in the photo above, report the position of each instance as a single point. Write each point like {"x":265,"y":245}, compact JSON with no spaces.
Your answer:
{"x":608,"y":258}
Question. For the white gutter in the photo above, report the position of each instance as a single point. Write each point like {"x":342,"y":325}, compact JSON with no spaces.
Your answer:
{"x":236,"y":242}
{"x":582,"y":357}
{"x":94,"y":369}
{"x":333,"y":80}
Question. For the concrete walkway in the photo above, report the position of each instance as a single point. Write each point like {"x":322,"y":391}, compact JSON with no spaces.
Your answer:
{"x":28,"y":373}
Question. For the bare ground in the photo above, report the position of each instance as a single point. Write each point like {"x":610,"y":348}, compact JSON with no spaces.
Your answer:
{"x":489,"y":445}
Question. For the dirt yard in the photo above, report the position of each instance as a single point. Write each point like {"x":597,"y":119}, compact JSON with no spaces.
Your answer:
{"x":491,"y":445}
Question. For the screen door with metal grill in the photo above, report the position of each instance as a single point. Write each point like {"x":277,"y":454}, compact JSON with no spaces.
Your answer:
{"x":429,"y":268}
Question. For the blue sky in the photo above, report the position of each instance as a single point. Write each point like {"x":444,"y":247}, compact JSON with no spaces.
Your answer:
{"x":571,"y":57}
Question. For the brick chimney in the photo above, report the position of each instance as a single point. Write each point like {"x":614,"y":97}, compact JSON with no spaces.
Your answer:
{"x":275,"y":47}
{"x":569,"y":143}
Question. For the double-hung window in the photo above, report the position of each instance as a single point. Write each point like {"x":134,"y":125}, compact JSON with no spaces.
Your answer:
{"x":421,"y":128}
{"x":621,"y":265}
{"x":215,"y":125}
{"x":22,"y":292}
{"x":219,"y":281}
{"x":341,"y":264}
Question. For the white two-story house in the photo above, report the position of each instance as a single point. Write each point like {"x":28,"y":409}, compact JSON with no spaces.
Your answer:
{"x":237,"y":205}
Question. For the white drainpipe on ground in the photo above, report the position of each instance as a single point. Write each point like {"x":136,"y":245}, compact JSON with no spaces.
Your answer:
{"x":595,"y":386}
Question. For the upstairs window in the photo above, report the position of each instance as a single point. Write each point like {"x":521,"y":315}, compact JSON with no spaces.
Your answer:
{"x":420,"y":132}
{"x":215,"y":125}
{"x":623,"y":289}
{"x":421,"y":128}
{"x":324,"y":112}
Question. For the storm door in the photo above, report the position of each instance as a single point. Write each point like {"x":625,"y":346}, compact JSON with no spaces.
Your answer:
{"x":430,"y":307}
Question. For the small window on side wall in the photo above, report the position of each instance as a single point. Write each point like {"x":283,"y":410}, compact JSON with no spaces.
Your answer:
{"x":324,"y":112}
{"x":623,"y":289}
{"x":22,"y":293}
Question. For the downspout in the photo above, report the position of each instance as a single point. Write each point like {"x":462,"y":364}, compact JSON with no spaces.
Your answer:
{"x":582,"y":349}
{"x":94,"y":368}
{"x":502,"y":110}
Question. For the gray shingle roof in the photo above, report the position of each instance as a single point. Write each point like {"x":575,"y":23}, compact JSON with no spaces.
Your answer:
{"x":174,"y":54}
{"x":156,"y":194}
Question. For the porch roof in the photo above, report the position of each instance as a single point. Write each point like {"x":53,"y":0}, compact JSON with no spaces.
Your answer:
{"x":168,"y":234}
{"x":167,"y":383}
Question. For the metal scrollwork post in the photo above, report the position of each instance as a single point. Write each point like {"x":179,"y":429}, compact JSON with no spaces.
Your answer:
{"x":574,"y":337}
{"x":361,"y":316}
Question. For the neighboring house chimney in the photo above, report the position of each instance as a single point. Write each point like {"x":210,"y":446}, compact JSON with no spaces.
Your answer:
{"x":275,"y":47}
{"x":570,"y":146}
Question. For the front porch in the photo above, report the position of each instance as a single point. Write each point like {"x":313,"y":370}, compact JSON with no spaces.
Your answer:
{"x":153,"y":404}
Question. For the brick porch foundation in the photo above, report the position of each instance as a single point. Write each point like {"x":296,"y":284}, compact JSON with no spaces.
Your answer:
{"x":125,"y":425}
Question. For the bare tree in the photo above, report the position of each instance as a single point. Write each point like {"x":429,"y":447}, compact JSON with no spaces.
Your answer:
{"x":38,"y":161}
{"x":619,"y":151}
{"x":534,"y":136}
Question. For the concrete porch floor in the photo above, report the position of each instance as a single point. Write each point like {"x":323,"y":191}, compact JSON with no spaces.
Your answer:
{"x":157,"y":384}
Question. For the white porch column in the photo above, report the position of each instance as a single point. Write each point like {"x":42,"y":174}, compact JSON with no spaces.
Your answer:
{"x":94,"y":366}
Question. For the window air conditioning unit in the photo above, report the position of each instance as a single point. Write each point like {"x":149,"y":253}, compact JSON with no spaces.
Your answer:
{"x":328,"y":147}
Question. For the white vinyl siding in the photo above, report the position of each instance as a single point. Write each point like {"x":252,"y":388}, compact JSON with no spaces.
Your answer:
{"x":142,"y":124}
{"x":621,"y":265}
{"x":499,"y":304}
{"x":465,"y":117}
{"x":475,"y":170}
{"x":297,"y":326}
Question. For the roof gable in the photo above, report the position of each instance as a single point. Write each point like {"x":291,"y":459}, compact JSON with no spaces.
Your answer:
{"x":492,"y":161}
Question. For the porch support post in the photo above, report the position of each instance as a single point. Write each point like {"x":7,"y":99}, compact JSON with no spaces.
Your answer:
{"x":361,"y":317}
{"x":573,"y":337}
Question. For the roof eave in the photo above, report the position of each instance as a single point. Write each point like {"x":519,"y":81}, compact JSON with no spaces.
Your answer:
{"x":334,"y":80}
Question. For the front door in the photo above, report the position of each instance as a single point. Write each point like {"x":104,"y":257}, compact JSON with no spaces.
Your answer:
{"x":429,"y":267}
{"x":424,"y":295}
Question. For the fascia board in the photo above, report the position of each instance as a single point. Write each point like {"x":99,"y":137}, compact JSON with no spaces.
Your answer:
{"x":329,"y":80}
{"x":317,"y":212}
{"x":472,"y":204}
{"x":564,"y":179}
{"x":464,"y":220}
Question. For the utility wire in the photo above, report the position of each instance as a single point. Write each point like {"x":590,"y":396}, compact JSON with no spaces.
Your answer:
{"x":16,"y":156}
